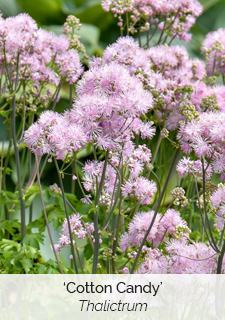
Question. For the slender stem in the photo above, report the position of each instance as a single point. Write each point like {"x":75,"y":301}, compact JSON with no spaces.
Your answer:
{"x":220,"y":259}
{"x":73,"y":181}
{"x":96,"y":244}
{"x":30,"y":172}
{"x":203,"y":222}
{"x":156,"y":211}
{"x":162,"y":32}
{"x":71,"y":95}
{"x":45,"y":214}
{"x":78,"y":255}
{"x":57,"y":93}
{"x":24,"y":114}
{"x":17,"y":156}
{"x":127,"y":22}
{"x":116,"y":199}
{"x":72,"y":208}
{"x":156,"y":149}
{"x":205,"y":209}
{"x":67,"y":215}
{"x":139,"y":34}
{"x":221,"y":237}
{"x":123,"y":265}
{"x":118,"y":220}
{"x":153,"y":33}
{"x":148,"y":36}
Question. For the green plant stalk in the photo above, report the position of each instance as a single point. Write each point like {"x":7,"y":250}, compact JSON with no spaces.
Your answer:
{"x":116,"y":199}
{"x":220,"y":259}
{"x":118,"y":220}
{"x":203,"y":222}
{"x":205,"y":210}
{"x":156,"y":211}
{"x":17,"y":156}
{"x":74,"y":210}
{"x":57,"y":93}
{"x":45,"y":214}
{"x":96,"y":244}
{"x":67,"y":216}
{"x":30,"y":172}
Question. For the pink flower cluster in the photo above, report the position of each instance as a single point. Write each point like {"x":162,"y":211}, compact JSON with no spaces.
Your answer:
{"x":55,"y":135}
{"x":92,"y":175}
{"x":141,"y":188}
{"x":163,"y":228}
{"x":218,"y":201}
{"x":79,"y":229}
{"x":175,"y":17}
{"x":135,"y":160}
{"x":206,"y":138}
{"x":107,"y":112}
{"x":181,"y":258}
{"x":109,"y":105}
{"x":167,"y":72}
{"x":213,"y":48}
{"x":36,"y":48}
{"x":191,"y":167}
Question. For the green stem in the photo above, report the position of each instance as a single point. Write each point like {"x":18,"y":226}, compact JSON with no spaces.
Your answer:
{"x":156,"y":149}
{"x":67,"y":215}
{"x":156,"y":211}
{"x":96,"y":244}
{"x":45,"y":214}
{"x":220,"y":259}
{"x":57,"y":93}
{"x":17,"y":156}
{"x":30,"y":171}
{"x":116,"y":199}
{"x":205,"y":209}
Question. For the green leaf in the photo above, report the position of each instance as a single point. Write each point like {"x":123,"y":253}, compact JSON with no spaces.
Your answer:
{"x":88,"y":148}
{"x":88,"y":251}
{"x":18,"y":265}
{"x":26,"y":263}
{"x":33,"y":239}
{"x":29,"y":200}
{"x":36,"y":223}
{"x":71,"y":197}
{"x":41,"y":269}
{"x":9,"y":225}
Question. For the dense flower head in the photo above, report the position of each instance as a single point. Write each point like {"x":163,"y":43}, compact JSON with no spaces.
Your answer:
{"x":154,"y":14}
{"x":167,"y":72}
{"x":191,"y":167}
{"x":181,"y":258}
{"x":109,"y":103}
{"x":69,"y":65}
{"x":206,"y":138}
{"x":92,"y":175}
{"x":135,"y":160}
{"x":79,"y":230}
{"x":141,"y":188}
{"x":163,"y":228}
{"x":213,"y":48}
{"x":54,"y":135}
{"x":218,"y":201}
{"x":34,"y":52}
{"x":17,"y":34}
